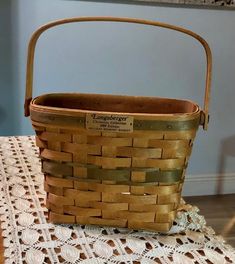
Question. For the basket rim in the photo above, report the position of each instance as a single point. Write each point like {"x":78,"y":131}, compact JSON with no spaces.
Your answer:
{"x":76,"y":112}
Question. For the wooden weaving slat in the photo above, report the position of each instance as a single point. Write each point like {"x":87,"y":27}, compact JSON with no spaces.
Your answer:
{"x":109,"y":163}
{"x":176,"y":135}
{"x":55,"y":137}
{"x":176,"y":153}
{"x":38,"y":128}
{"x":168,"y":144}
{"x":167,"y":217}
{"x":62,"y":200}
{"x":111,"y":134}
{"x":61,"y":219}
{"x":137,"y":216}
{"x":161,"y":208}
{"x":53,"y":144}
{"x":109,"y":188}
{"x":107,"y":141}
{"x":79,"y":158}
{"x":163,"y":176}
{"x":56,"y":155}
{"x":137,"y":190}
{"x":55,"y":208}
{"x":140,"y":142}
{"x":82,"y":195}
{"x":161,"y":125}
{"x":103,"y":222}
{"x":161,"y":190}
{"x":79,"y":211}
{"x":109,"y":151}
{"x":79,"y":172}
{"x":53,"y":189}
{"x":138,"y":152}
{"x":76,"y":148}
{"x":40,"y":143}
{"x":142,"y":134}
{"x":81,"y":186}
{"x":160,"y":227}
{"x":138,"y":176}
{"x":158,"y":163}
{"x":128,"y":198}
{"x":62,"y":183}
{"x":108,"y":174}
{"x":84,"y":203}
{"x":145,"y":123}
{"x":111,"y":206}
{"x":80,"y":138}
{"x":170,"y":198}
{"x":56,"y":169}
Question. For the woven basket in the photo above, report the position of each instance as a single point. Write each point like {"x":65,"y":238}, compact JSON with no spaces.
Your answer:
{"x":114,"y":160}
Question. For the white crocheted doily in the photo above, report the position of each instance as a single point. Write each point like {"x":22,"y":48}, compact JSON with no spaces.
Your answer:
{"x":28,"y":238}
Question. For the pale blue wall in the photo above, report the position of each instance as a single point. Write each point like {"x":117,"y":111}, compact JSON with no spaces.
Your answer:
{"x":123,"y":59}
{"x":7,"y":97}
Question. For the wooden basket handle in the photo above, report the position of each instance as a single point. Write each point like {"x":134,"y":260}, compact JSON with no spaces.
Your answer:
{"x":37,"y":33}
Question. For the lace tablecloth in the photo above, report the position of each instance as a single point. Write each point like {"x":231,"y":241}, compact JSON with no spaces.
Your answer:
{"x":28,"y":238}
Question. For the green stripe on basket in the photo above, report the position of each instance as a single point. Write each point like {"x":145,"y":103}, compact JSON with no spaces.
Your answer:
{"x":109,"y":175}
{"x":168,"y":176}
{"x":166,"y":125}
{"x":157,"y":125}
{"x":119,"y":175}
{"x":164,"y":176}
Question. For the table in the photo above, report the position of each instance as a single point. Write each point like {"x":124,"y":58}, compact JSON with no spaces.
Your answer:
{"x":28,"y":238}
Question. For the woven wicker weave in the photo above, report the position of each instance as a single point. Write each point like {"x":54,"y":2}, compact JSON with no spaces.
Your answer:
{"x":108,"y":175}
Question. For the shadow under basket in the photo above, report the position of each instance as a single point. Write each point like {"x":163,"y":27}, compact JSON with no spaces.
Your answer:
{"x":114,"y":160}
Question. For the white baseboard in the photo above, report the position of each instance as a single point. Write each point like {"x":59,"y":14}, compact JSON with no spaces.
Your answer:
{"x":209,"y":184}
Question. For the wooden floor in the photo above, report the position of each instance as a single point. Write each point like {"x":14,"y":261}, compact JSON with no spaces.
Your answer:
{"x":219,"y":212}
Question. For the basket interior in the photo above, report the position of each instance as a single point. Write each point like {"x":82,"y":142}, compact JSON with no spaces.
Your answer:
{"x":117,"y":103}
